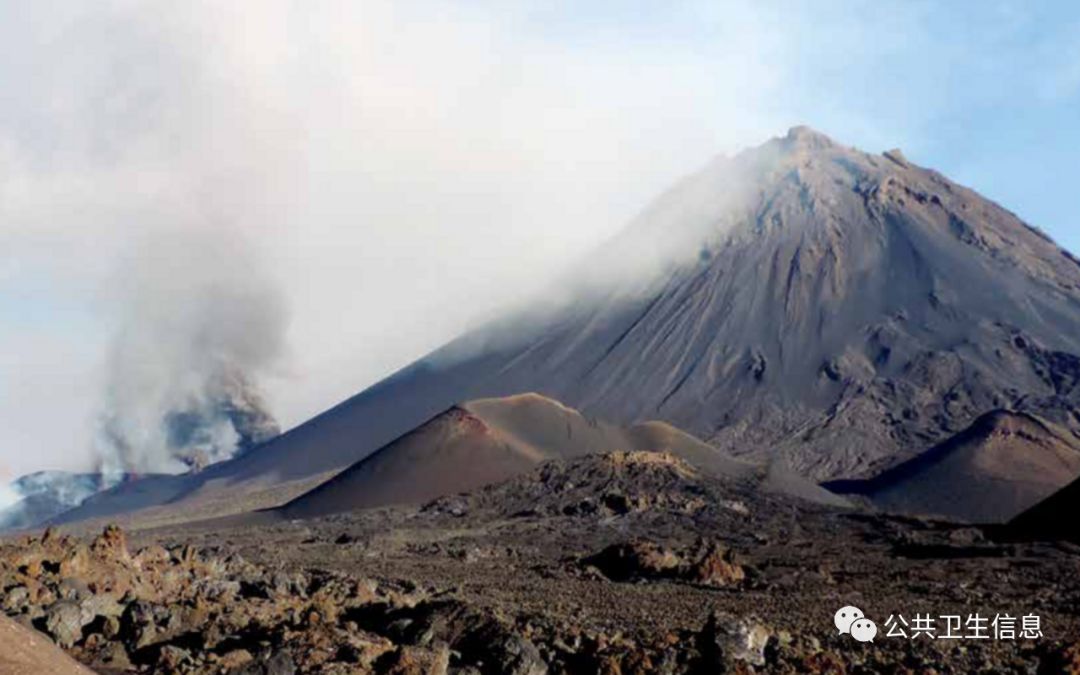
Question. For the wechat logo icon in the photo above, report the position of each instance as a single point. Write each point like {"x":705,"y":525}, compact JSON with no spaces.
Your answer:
{"x":852,"y":621}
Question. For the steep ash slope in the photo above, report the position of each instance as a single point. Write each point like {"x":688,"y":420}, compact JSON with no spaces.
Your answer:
{"x":842,"y":310}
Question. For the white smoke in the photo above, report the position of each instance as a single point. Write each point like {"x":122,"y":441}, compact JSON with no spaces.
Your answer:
{"x":200,"y":324}
{"x":9,"y":496}
{"x":383,"y":157}
{"x":34,"y":498}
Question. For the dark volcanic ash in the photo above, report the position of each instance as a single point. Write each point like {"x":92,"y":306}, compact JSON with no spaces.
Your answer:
{"x":202,"y":324}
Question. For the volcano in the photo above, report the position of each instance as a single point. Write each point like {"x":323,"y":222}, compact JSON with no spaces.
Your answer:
{"x":804,"y":301}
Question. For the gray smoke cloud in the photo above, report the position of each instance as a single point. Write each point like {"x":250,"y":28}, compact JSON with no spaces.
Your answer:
{"x":200,"y":325}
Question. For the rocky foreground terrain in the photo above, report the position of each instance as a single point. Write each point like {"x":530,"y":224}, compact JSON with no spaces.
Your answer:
{"x":615,"y":563}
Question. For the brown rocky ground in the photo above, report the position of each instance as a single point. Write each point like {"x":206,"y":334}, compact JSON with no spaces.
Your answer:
{"x":620,"y":563}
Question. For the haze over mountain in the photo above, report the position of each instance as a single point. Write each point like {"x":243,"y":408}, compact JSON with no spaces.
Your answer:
{"x":804,"y":300}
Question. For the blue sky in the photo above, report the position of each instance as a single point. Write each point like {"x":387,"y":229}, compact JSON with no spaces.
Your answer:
{"x":987,"y":92}
{"x":374,"y":153}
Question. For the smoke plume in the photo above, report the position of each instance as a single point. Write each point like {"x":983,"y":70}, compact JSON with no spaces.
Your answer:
{"x":37,"y":497}
{"x":200,"y":326}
